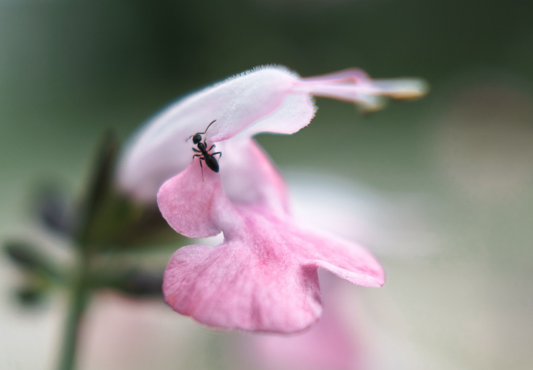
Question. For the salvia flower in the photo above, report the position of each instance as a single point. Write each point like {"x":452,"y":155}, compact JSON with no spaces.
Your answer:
{"x":263,"y":277}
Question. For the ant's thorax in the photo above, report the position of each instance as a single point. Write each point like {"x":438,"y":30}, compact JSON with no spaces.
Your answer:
{"x":201,"y":146}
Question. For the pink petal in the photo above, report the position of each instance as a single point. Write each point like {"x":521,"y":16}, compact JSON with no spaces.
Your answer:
{"x":263,"y":277}
{"x":193,"y":204}
{"x":199,"y":203}
{"x":354,"y":75}
{"x":295,"y":113}
{"x":242,"y":284}
{"x":249,"y":178}
{"x":356,"y":86}
{"x":345,"y":259}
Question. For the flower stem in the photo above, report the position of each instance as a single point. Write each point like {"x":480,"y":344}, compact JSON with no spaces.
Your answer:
{"x":97,"y":190}
{"x":77,"y":303}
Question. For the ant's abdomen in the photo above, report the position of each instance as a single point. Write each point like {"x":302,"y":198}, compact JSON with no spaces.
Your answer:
{"x":212,"y":163}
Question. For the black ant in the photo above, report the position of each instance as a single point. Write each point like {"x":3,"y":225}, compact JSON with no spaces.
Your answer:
{"x":205,"y":154}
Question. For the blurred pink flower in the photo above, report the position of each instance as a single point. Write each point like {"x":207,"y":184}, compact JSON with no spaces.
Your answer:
{"x":330,"y":344}
{"x":263,"y":277}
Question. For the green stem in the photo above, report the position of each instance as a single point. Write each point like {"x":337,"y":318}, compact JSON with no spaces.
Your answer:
{"x":98,"y":188}
{"x":78,"y":300}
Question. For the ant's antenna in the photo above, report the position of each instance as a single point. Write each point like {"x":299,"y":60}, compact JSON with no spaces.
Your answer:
{"x":209,"y":126}
{"x":201,"y":133}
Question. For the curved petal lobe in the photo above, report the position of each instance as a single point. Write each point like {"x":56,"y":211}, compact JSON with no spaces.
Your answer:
{"x":243,"y":286}
{"x":193,"y":202}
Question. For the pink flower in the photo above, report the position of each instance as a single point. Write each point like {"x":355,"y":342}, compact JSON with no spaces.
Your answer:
{"x":263,"y":277}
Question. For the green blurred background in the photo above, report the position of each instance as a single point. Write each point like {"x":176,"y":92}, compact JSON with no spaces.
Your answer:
{"x":69,"y":70}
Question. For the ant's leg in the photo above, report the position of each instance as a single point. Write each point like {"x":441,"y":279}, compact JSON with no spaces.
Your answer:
{"x":194,"y":156}
{"x":196,"y":150}
{"x":219,"y":153}
{"x":202,"y":167}
{"x":212,"y":146}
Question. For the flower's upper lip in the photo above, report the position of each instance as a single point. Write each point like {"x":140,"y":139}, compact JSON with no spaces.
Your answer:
{"x":159,"y":150}
{"x":269,"y":99}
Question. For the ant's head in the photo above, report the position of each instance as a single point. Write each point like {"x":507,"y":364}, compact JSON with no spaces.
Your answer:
{"x":196,"y":138}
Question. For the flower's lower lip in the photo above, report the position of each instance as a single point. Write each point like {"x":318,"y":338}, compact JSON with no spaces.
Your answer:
{"x":263,"y":254}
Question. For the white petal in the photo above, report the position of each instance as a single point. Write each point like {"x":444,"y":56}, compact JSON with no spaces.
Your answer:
{"x":160,"y":151}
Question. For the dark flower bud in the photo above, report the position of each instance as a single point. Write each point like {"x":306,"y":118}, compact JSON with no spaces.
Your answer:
{"x":142,"y":283}
{"x":29,"y":296}
{"x":53,"y":212}
{"x":31,"y":259}
{"x":22,"y":254}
